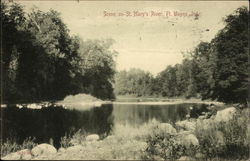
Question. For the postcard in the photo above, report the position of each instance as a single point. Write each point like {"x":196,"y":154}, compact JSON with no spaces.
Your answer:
{"x":125,"y":80}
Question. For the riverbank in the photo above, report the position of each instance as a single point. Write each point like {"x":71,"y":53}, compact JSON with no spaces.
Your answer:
{"x":161,"y":100}
{"x":79,"y":101}
{"x":85,"y":102}
{"x":223,"y":135}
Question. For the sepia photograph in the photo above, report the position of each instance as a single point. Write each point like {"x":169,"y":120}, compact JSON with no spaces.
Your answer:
{"x":125,"y":80}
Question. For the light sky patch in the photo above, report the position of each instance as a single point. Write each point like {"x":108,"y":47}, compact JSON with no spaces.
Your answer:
{"x":149,"y":43}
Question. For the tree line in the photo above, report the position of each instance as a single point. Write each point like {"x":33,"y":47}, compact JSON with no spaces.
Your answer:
{"x":217,"y":70}
{"x":42,"y":61}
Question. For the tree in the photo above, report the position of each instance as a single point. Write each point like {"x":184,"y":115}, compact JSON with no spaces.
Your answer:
{"x":41,"y":61}
{"x":135,"y":81}
{"x":231,"y":49}
{"x":45,"y":62}
{"x":12,"y":21}
{"x":222,"y":67}
{"x":167,"y":80}
{"x":97,"y":67}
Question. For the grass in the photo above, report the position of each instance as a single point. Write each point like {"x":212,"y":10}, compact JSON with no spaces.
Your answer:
{"x":11,"y":146}
{"x":226,"y":139}
{"x":126,"y":131}
{"x":76,"y":139}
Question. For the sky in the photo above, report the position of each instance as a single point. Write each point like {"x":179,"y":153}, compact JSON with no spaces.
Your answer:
{"x":143,"y":38}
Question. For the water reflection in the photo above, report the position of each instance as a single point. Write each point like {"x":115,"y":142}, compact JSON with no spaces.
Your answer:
{"x":54,"y":123}
{"x":137,"y":114}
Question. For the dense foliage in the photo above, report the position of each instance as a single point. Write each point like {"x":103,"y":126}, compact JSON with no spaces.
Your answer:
{"x":216,"y":70}
{"x":134,"y":82}
{"x":41,"y":61}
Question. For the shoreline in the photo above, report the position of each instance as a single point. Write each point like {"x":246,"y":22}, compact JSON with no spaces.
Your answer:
{"x":167,"y":103}
{"x":116,"y":102}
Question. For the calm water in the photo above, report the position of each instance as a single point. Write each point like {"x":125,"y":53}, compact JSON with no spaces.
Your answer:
{"x":137,"y":114}
{"x":56,"y":122}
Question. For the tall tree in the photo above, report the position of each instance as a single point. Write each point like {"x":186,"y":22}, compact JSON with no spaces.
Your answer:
{"x":231,"y":48}
{"x":41,"y":61}
{"x":12,"y":21}
{"x":97,"y":67}
{"x":135,"y":81}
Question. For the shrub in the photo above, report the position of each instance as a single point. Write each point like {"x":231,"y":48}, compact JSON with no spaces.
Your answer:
{"x":65,"y":141}
{"x":79,"y":137}
{"x":236,"y":134}
{"x":226,"y":139}
{"x":164,"y":145}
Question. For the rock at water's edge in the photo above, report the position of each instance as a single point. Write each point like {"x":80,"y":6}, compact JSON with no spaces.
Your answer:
{"x":12,"y":156}
{"x":24,"y":154}
{"x":93,"y":137}
{"x":225,"y":115}
{"x":186,"y":125}
{"x":189,"y":140}
{"x":185,"y":158}
{"x":74,"y":148}
{"x":43,"y":149}
{"x":168,"y":128}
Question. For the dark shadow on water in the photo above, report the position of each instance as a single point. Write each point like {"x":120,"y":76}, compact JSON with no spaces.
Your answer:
{"x":53,"y":122}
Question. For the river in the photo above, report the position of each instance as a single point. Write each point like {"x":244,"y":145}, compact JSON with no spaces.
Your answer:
{"x":54,"y":122}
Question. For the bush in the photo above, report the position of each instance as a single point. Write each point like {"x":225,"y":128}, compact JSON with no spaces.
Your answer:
{"x":164,"y":145}
{"x":226,"y":139}
{"x":236,"y":134}
{"x":65,"y":141}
